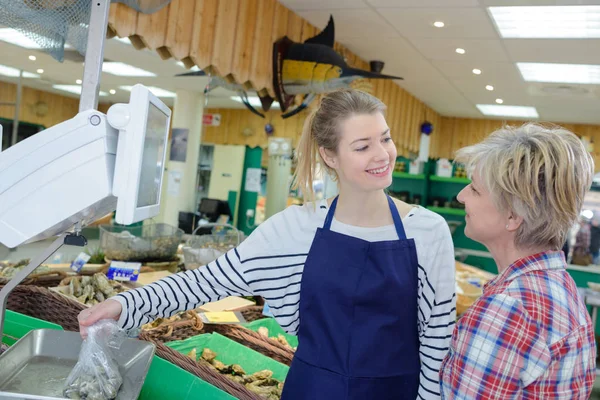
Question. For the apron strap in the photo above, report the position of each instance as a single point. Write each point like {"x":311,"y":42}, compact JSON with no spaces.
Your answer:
{"x":330,"y":213}
{"x":397,"y":219}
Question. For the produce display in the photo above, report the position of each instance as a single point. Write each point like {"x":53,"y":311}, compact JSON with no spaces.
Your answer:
{"x":155,"y":242}
{"x":8,"y":270}
{"x":165,"y":326}
{"x":261,"y":383}
{"x":90,"y":290}
{"x":279,"y":338}
{"x":469,"y":285}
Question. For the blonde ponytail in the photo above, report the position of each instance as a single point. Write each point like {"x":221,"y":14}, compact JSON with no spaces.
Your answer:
{"x":306,"y":159}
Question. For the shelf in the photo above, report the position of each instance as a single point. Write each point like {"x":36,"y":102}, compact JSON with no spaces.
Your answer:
{"x":464,"y":181}
{"x":406,"y":175}
{"x":449,"y":211}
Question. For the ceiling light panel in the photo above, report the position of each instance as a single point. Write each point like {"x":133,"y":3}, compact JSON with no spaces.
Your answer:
{"x":14,"y":72}
{"x":122,"y":69}
{"x":158,"y":92}
{"x":508,"y":111}
{"x":547,"y":21}
{"x":76,"y":89}
{"x":560,"y":73}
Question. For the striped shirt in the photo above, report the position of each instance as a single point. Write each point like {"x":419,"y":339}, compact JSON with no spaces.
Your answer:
{"x":270,"y":262}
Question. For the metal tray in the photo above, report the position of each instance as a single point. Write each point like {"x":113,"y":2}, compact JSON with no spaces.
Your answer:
{"x":37,"y":366}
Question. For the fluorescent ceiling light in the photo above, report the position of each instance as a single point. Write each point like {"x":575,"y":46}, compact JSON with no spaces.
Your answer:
{"x":121,"y":69}
{"x":194,"y":68}
{"x":122,"y":40}
{"x":73,"y":89}
{"x":439,"y":24}
{"x":16,"y":38}
{"x":547,"y":21}
{"x":254,"y":101}
{"x":560,"y":73}
{"x":158,"y":92}
{"x":14,"y":72}
{"x":508,"y":111}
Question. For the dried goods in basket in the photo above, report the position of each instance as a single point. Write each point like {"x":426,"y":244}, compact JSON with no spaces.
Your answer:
{"x":202,"y":371}
{"x":262,"y":382}
{"x":42,"y":276}
{"x":89,"y":290}
{"x":188,"y":324}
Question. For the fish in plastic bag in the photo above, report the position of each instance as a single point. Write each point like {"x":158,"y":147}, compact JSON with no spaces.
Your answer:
{"x":96,"y":375}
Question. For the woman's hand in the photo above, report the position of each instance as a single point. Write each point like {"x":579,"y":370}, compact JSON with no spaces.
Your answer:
{"x":109,"y":309}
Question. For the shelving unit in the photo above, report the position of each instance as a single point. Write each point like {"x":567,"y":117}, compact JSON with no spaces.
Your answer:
{"x":448,"y":211}
{"x":435,"y":178}
{"x":406,"y":175}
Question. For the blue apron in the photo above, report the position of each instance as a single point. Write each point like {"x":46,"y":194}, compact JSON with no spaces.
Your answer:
{"x":358,"y":335}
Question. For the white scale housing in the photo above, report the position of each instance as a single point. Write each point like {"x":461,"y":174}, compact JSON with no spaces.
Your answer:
{"x":65,"y":174}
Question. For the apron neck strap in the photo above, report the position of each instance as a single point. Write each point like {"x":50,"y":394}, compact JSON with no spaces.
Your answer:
{"x":397,"y":220}
{"x":395,"y":215}
{"x":330,"y":214}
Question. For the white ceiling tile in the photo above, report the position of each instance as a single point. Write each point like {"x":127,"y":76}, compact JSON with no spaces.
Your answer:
{"x":569,"y":115}
{"x":459,"y":22}
{"x":423,"y":3}
{"x":303,"y":5}
{"x":523,"y":3}
{"x":386,"y":49}
{"x":492,"y":73}
{"x":564,"y":51}
{"x":476,"y":50}
{"x":351,"y":23}
{"x":478,"y":94}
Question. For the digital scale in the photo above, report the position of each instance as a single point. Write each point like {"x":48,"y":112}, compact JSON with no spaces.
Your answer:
{"x":63,"y":178}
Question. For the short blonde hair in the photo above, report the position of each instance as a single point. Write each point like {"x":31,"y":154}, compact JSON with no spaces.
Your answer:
{"x":322,"y":129}
{"x":540,"y":173}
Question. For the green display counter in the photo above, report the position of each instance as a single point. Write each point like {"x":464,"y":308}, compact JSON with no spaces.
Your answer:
{"x":164,"y":380}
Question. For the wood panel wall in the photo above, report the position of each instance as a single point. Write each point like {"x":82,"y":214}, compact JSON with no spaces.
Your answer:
{"x":60,"y":108}
{"x":450,"y":134}
{"x":234,"y":39}
{"x":459,"y":132}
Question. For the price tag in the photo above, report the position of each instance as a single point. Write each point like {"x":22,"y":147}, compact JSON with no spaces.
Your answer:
{"x":224,"y":317}
{"x":124,"y":271}
{"x":80,"y":261}
{"x":267,"y":311}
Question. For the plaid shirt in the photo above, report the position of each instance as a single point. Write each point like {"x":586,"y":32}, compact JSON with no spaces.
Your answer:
{"x":528,"y":336}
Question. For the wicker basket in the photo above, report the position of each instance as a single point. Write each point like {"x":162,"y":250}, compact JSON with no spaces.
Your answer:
{"x":42,"y":303}
{"x":44,"y":279}
{"x":268,"y":347}
{"x":203,"y":372}
{"x":253,"y":313}
{"x":184,"y":329}
{"x":241,"y":335}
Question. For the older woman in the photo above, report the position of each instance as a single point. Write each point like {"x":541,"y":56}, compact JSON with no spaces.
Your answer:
{"x":529,"y":335}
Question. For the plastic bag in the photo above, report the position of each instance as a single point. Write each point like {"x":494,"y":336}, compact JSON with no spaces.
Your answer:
{"x":96,"y":375}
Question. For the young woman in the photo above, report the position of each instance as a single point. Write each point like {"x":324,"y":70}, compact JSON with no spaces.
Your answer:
{"x":365,"y":281}
{"x":529,"y":336}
